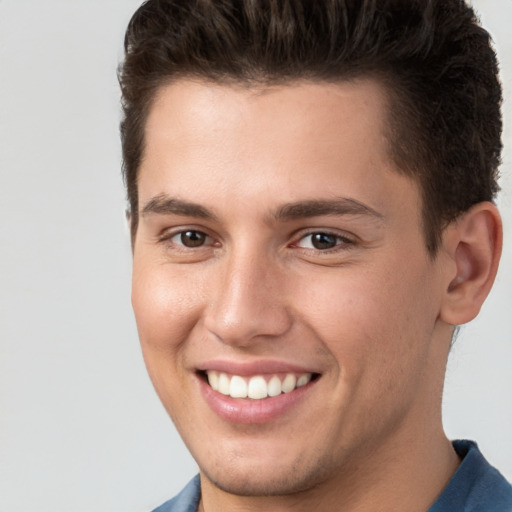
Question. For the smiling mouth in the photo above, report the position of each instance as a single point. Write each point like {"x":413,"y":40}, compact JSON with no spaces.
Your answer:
{"x":257,"y":387}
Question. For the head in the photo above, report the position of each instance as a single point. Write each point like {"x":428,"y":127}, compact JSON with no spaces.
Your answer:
{"x":309,"y":188}
{"x":432,"y":58}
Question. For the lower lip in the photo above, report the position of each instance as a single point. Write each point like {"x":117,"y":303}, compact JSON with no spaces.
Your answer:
{"x":247,"y":411}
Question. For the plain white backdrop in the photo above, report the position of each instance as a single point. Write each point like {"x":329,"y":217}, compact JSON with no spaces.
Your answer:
{"x":80,"y":426}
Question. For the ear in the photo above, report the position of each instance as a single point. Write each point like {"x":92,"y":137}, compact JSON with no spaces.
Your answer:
{"x":473,"y":242}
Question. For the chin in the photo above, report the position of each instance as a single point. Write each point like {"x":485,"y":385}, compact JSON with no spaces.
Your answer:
{"x":264,"y":481}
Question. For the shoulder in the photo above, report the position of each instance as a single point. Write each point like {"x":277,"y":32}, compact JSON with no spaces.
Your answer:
{"x":476,"y":485}
{"x":186,"y":501}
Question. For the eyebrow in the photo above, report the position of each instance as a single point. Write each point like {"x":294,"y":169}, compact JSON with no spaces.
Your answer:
{"x":314,"y":208}
{"x":165,"y":205}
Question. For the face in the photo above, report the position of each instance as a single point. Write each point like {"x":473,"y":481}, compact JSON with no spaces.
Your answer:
{"x":286,"y":304}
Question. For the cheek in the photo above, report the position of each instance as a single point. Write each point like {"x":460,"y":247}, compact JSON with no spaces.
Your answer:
{"x":372,"y":322}
{"x":166,"y":307}
{"x":166,"y":311}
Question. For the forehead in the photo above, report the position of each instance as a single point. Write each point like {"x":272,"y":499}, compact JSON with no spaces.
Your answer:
{"x":192,"y":109}
{"x":210,"y":141}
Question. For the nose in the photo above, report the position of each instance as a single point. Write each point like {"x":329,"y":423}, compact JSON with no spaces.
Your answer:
{"x":247,"y":303}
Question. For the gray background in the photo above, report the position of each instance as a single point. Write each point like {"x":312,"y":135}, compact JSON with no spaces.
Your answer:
{"x":80,"y":426}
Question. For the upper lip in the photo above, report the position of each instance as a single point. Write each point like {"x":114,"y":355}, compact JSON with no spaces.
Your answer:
{"x":248,"y":368}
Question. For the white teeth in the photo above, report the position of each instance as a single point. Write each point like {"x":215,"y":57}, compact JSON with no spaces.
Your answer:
{"x":258,"y":388}
{"x":213,"y":380}
{"x":303,"y":379}
{"x":224,"y":384}
{"x":238,"y":387}
{"x":289,"y":383}
{"x":274,"y":386}
{"x":255,"y":387}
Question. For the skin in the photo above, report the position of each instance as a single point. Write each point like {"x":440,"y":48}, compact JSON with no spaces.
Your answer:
{"x":371,"y":316}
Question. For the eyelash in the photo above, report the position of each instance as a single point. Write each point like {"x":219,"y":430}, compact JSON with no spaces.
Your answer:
{"x":169,"y":236}
{"x":342,"y":243}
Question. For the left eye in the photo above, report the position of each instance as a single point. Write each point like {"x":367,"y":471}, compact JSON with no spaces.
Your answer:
{"x":321,"y":241}
{"x":191,"y":238}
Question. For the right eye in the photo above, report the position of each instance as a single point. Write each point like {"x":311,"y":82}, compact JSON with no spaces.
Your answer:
{"x":191,"y":238}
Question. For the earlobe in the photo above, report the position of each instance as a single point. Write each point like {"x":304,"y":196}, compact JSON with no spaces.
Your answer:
{"x":474,"y":244}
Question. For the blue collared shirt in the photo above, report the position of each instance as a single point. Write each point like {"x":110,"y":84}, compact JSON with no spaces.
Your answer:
{"x":475,"y":487}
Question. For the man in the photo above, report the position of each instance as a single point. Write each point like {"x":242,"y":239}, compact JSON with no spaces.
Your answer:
{"x":310,"y":188}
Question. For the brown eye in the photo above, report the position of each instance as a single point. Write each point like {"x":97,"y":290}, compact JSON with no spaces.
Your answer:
{"x":324,"y":241}
{"x":192,"y":238}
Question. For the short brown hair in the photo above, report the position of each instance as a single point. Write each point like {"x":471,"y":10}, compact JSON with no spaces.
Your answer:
{"x":433,"y":57}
